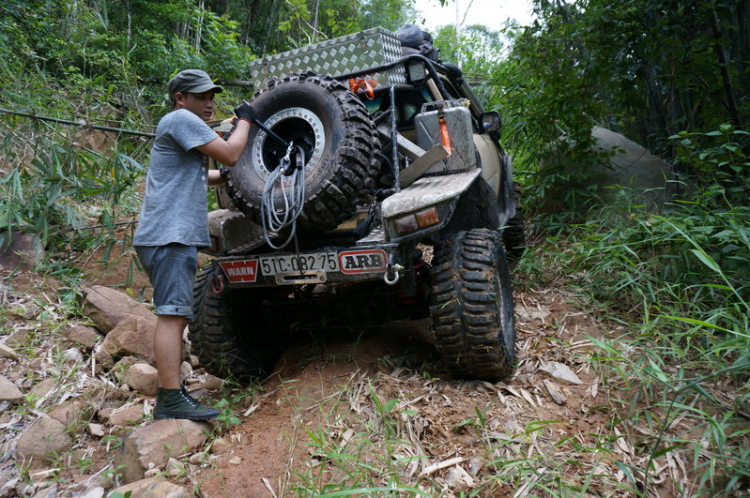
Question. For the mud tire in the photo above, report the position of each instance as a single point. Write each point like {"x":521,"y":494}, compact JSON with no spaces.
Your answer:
{"x":229,"y":331}
{"x":341,"y":145}
{"x":471,"y":304}
{"x":514,"y":237}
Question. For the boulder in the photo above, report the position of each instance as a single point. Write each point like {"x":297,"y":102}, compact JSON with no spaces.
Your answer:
{"x":23,"y":250}
{"x":155,"y":443}
{"x":107,"y":307}
{"x":623,"y":164}
{"x":126,"y":415}
{"x":42,"y":439}
{"x":632,"y":165}
{"x":132,"y":336}
{"x":70,"y":411}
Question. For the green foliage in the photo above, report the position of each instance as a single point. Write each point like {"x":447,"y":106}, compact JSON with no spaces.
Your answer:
{"x":647,"y":69}
{"x":677,"y":282}
{"x":56,"y":194}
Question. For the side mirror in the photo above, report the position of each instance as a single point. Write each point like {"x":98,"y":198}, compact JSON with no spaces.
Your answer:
{"x":491,"y":121}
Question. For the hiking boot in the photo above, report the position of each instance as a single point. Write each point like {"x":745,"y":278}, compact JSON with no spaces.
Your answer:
{"x":177,"y":403}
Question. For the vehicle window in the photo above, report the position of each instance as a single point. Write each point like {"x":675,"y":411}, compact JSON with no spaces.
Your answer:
{"x":409,"y":111}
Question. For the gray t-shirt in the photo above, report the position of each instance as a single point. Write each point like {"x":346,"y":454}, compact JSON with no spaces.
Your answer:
{"x":175,"y":206}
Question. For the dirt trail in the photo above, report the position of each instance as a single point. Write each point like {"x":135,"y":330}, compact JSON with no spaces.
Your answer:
{"x":329,"y":382}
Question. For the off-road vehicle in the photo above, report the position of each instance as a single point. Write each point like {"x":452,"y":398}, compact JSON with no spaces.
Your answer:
{"x":361,"y":162}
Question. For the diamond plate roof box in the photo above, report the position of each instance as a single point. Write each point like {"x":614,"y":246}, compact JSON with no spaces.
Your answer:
{"x":346,"y":54}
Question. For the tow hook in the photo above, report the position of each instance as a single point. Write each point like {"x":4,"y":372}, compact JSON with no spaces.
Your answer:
{"x":217,"y":284}
{"x":392,"y":274}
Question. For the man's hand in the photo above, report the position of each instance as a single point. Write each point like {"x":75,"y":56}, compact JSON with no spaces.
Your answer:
{"x":245,"y":111}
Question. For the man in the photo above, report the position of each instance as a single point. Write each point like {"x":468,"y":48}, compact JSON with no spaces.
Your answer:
{"x":174,"y":223}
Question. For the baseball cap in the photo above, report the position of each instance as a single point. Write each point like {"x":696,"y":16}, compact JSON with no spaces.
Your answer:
{"x":192,"y":81}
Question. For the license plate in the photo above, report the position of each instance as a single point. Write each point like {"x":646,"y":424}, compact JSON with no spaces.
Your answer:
{"x":325,"y":261}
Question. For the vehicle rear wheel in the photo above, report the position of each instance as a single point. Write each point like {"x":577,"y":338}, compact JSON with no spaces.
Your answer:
{"x":471,"y":304}
{"x":230,"y":332}
{"x":339,"y":140}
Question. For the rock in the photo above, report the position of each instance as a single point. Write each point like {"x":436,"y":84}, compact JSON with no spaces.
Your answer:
{"x":133,"y":335}
{"x":9,"y":391}
{"x":235,"y":460}
{"x":25,"y":310}
{"x":43,"y":438}
{"x":554,"y":390}
{"x":175,"y":468}
{"x":154,"y":487}
{"x":23,"y":250}
{"x":42,"y":388}
{"x":73,"y":355}
{"x":82,"y":335}
{"x":97,"y":430}
{"x":156,"y":443}
{"x":19,"y":338}
{"x":69,"y":412}
{"x":560,"y":372}
{"x":198,"y":458}
{"x":107,"y":307}
{"x":143,"y":378}
{"x":623,"y":163}
{"x":127,"y":415}
{"x":7,"y":352}
{"x":632,"y":164}
{"x":195,"y":362}
{"x":186,"y":370}
{"x":220,"y":445}
{"x":127,"y":362}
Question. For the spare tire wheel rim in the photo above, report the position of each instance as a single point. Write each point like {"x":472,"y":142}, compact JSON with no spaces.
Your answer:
{"x":300,"y":125}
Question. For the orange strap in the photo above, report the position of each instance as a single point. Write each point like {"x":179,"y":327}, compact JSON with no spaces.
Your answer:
{"x":358,"y":84}
{"x":444,"y":135}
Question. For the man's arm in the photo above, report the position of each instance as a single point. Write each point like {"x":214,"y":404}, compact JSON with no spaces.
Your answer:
{"x":228,"y":152}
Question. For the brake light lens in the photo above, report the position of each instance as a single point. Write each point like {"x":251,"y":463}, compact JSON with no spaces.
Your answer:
{"x":413,"y":222}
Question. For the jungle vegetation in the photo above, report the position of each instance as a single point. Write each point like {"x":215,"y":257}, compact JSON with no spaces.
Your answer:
{"x":672,"y":75}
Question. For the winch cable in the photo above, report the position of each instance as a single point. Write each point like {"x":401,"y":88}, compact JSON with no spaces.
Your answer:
{"x":293,"y":196}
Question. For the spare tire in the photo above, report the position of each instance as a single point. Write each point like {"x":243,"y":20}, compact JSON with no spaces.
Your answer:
{"x":340,"y":146}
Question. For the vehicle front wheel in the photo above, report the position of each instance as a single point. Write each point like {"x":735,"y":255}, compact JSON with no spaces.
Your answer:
{"x":471,"y":304}
{"x":230,"y":331}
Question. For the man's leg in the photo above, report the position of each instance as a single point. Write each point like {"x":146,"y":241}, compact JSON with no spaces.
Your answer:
{"x":172,"y":401}
{"x":171,"y":269}
{"x":168,"y":349}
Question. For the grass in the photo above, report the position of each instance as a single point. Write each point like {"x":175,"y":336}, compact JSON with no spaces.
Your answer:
{"x":677,"y":283}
